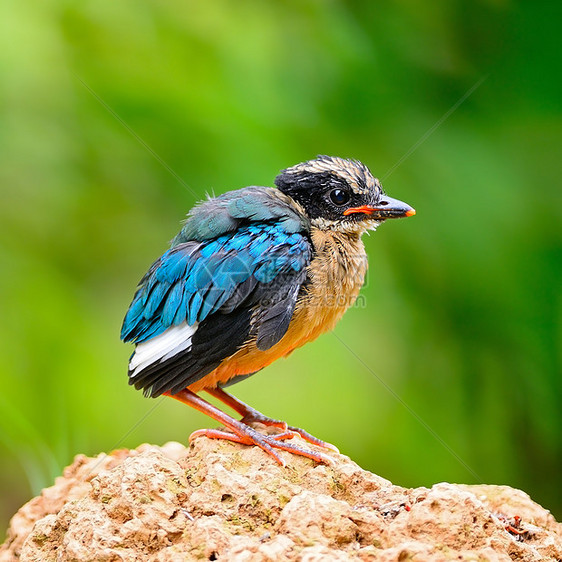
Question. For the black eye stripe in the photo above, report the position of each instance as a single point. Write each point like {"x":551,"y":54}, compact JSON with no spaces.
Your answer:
{"x":339,"y":196}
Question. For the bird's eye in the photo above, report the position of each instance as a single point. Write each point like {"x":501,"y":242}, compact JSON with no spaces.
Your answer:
{"x":339,"y":196}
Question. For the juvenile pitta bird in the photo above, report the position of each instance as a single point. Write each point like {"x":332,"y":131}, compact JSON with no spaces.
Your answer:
{"x":252,"y":275}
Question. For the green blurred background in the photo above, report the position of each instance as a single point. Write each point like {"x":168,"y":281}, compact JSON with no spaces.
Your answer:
{"x":462,"y":307}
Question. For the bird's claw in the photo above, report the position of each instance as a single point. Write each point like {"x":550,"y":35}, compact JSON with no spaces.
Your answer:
{"x":256,"y":417}
{"x":314,"y":440}
{"x":250,"y":436}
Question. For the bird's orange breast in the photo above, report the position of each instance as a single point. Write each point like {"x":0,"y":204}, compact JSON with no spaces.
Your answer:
{"x":336,"y":275}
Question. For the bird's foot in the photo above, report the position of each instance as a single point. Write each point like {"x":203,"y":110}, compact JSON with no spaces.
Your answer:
{"x":253,"y":416}
{"x":249,"y":436}
{"x":241,"y":432}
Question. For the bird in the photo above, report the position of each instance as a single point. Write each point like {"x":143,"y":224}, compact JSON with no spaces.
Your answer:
{"x":254,"y":274}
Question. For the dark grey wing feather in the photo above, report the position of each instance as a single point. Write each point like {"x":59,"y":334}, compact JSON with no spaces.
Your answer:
{"x":273,"y":320}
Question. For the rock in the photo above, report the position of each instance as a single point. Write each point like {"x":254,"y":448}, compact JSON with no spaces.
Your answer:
{"x":222,"y":501}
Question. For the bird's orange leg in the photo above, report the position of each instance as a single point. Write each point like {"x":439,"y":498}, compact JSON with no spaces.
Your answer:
{"x":243,"y":433}
{"x":250,"y":415}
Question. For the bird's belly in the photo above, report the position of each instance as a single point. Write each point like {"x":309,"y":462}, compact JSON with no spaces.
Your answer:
{"x":334,"y":286}
{"x":303,"y":329}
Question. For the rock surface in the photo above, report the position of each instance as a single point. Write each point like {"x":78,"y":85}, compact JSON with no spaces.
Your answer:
{"x":222,"y":501}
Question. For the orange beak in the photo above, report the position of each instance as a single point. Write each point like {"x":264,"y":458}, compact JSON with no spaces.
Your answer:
{"x":386,"y":208}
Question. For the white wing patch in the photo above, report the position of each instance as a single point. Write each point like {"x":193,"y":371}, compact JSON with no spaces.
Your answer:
{"x":162,"y":347}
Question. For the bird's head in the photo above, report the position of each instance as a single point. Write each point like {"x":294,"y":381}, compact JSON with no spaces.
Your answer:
{"x":340,"y":194}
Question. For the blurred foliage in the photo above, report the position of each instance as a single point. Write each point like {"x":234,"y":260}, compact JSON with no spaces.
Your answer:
{"x":117,"y":117}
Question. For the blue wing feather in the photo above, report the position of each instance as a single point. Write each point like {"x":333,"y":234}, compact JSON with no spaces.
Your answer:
{"x":194,"y":280}
{"x":196,"y":277}
{"x":172,"y":304}
{"x":194,"y":305}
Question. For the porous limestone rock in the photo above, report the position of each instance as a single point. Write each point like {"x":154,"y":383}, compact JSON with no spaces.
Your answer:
{"x":222,"y":501}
